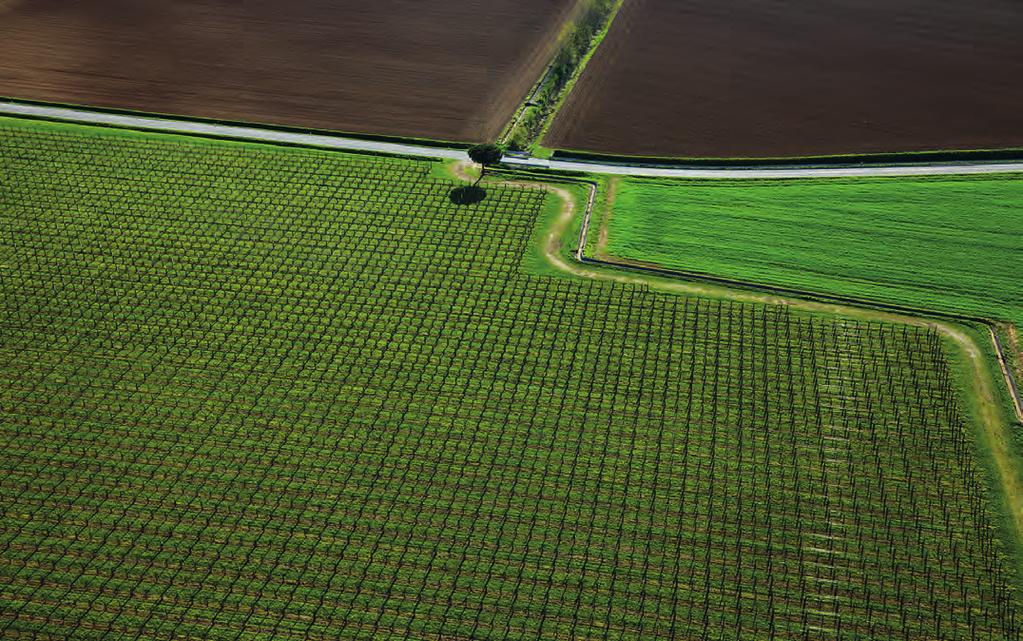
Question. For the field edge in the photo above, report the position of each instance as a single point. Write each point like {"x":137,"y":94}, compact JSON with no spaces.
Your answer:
{"x":970,"y":356}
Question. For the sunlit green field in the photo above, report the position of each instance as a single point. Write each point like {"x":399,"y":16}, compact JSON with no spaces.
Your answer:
{"x":951,"y":244}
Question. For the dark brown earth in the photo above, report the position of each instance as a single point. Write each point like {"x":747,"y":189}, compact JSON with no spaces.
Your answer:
{"x":453,"y":69}
{"x":795,"y":77}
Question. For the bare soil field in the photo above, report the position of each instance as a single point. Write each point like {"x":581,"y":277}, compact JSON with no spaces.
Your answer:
{"x":765,"y":78}
{"x":451,"y":70}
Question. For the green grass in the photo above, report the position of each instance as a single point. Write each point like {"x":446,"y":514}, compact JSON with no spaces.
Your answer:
{"x":265,"y":393}
{"x":949,"y":244}
{"x":1012,"y":435}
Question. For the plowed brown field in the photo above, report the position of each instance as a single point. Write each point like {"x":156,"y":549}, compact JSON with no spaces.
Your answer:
{"x":789,"y":78}
{"x":450,"y":70}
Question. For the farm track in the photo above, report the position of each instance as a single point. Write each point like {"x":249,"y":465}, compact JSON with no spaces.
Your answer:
{"x":909,"y":311}
{"x":793,"y":297}
{"x":989,"y":413}
{"x":344,"y":143}
{"x":750,"y":173}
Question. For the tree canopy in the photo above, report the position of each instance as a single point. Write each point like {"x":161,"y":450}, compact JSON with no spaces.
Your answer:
{"x":485,"y":155}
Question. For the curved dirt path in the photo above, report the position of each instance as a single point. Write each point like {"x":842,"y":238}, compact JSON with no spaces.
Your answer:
{"x":996,"y":428}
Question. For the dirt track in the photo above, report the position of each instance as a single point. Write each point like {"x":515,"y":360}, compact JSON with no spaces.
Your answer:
{"x":793,"y":77}
{"x":450,"y":70}
{"x":988,"y":413}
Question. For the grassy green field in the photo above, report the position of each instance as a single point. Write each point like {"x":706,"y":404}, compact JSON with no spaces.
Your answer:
{"x":952,"y":244}
{"x":264,"y":393}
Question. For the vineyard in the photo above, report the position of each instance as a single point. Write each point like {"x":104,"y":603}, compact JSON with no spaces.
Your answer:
{"x":254,"y":392}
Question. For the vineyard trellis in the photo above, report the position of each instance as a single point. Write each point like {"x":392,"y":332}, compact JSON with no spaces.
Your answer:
{"x":301,"y":395}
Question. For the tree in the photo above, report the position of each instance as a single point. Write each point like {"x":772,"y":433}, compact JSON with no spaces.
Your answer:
{"x":485,"y":155}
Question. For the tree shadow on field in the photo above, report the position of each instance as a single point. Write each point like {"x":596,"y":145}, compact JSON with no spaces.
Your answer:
{"x":468,"y":195}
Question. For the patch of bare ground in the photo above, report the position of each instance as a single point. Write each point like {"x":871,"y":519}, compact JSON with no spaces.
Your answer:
{"x":793,"y":78}
{"x":446,"y":70}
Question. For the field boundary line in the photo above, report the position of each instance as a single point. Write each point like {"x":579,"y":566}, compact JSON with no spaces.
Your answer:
{"x":534,"y":91}
{"x":1010,"y":379}
{"x":231,"y":132}
{"x":252,"y":133}
{"x":934,"y":156}
{"x":996,"y":427}
{"x":768,"y":173}
{"x":990,"y":325}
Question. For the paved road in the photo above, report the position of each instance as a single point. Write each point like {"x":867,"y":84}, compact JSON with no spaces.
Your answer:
{"x":754,"y":173}
{"x":422,"y":151}
{"x":229,"y":131}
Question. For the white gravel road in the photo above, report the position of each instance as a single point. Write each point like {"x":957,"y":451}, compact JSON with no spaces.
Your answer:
{"x":328,"y":141}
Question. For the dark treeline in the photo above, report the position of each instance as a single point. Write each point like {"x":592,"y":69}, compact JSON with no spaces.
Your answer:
{"x":570,"y":55}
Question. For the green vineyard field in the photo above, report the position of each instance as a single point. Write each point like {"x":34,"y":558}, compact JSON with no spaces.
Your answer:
{"x":268,"y":393}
